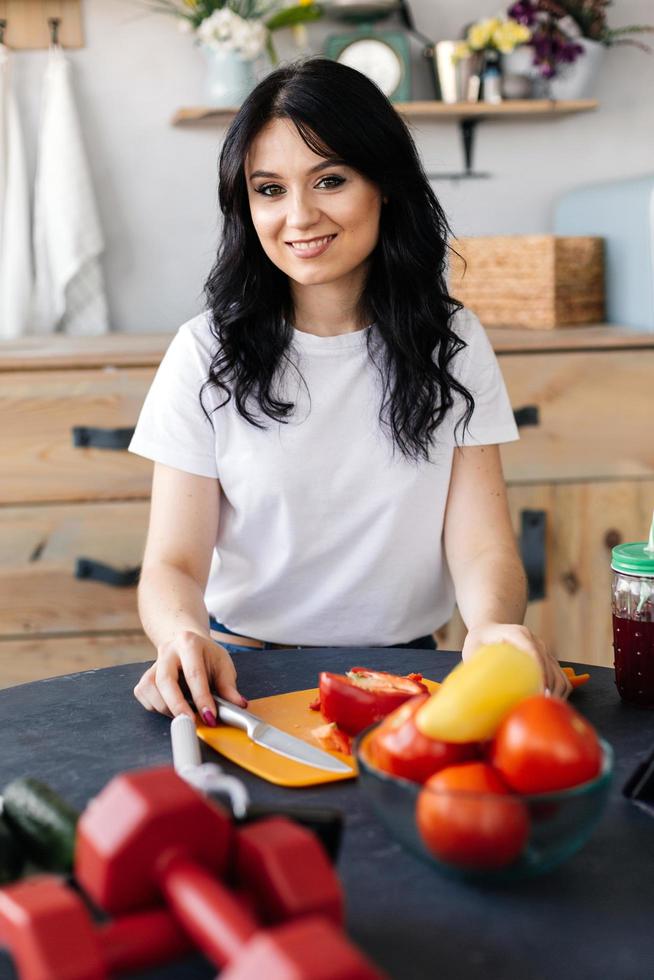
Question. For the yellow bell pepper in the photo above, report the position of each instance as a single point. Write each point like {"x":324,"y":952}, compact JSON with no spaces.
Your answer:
{"x":475,"y":696}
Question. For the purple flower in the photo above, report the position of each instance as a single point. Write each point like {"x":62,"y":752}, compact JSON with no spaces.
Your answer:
{"x":524,"y":12}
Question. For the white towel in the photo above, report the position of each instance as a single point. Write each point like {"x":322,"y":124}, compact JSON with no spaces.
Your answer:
{"x":68,"y":243}
{"x":16,"y":274}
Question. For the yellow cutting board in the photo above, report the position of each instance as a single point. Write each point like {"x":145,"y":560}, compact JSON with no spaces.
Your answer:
{"x":291,"y":713}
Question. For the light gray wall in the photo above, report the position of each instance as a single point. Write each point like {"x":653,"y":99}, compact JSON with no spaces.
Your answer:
{"x":156,"y":184}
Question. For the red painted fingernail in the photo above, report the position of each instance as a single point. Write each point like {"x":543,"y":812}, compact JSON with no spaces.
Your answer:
{"x":209,"y":718}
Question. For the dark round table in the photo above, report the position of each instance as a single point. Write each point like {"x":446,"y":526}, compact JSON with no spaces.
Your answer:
{"x":590,"y":918}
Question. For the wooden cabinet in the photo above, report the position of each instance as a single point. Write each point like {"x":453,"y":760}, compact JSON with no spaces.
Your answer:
{"x":71,"y":497}
{"x":581,"y":479}
{"x":582,"y":473}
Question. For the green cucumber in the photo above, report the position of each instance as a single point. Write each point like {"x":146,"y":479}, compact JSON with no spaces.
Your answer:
{"x":12,"y":854}
{"x":43,"y":823}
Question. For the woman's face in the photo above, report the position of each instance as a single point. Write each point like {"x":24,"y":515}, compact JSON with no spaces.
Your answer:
{"x":300,"y":197}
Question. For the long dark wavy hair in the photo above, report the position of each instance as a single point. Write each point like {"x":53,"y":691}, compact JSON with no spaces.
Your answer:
{"x":338,"y":111}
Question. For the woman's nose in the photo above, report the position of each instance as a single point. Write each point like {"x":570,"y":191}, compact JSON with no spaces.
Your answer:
{"x":302,"y":209}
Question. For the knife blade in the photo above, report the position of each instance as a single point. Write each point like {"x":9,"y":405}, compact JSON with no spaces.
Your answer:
{"x":275,"y":739}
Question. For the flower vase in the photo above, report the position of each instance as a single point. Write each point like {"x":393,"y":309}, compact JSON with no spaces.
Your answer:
{"x":229,"y":77}
{"x":518,"y":73}
{"x":577,"y":80}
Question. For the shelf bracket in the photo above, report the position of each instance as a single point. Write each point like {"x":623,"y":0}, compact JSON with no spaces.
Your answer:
{"x":467,"y":129}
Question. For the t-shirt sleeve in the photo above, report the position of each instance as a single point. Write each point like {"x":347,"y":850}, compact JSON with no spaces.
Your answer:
{"x":172,"y":427}
{"x":477,"y":368}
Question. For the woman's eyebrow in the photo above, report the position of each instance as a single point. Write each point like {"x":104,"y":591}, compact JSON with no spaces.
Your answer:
{"x":332,"y":161}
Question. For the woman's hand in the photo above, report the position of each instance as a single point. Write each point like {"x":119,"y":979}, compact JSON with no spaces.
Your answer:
{"x":203,"y":664}
{"x":554,"y":680}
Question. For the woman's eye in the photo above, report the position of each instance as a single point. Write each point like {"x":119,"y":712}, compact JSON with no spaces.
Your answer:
{"x":267,"y":187}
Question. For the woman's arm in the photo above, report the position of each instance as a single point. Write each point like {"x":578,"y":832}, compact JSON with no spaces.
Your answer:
{"x":181,"y":535}
{"x":481,"y":550}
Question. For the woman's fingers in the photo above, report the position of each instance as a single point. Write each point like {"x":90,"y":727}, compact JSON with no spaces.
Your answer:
{"x":203,"y":665}
{"x":554,"y":680}
{"x":146,"y":692}
{"x":167,"y":682}
{"x":194,"y":657}
{"x":223,"y":676}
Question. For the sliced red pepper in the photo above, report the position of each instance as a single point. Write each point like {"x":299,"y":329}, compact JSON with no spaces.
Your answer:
{"x":575,"y":679}
{"x":315,"y":705}
{"x":332,"y":738}
{"x":361,"y":697}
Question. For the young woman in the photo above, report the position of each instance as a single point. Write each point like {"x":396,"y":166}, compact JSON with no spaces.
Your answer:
{"x":325,"y":435}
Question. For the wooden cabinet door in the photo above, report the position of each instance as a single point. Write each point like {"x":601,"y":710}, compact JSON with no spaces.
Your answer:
{"x":40,"y":410}
{"x":583,"y":523}
{"x":39,"y":593}
{"x":22,"y":661}
{"x":595,"y":412}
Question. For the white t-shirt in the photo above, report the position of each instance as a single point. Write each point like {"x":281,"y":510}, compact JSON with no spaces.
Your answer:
{"x":325,"y":536}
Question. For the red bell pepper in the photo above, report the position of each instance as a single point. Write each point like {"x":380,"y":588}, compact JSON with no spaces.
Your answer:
{"x":331,"y":738}
{"x":361,"y":697}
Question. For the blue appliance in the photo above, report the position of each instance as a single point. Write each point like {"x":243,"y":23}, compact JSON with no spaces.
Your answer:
{"x":621,"y":212}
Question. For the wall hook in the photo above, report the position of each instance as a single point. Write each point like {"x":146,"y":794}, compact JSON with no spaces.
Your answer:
{"x":53,"y":24}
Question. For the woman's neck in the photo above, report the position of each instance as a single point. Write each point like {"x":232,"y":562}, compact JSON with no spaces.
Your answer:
{"x":331,"y":308}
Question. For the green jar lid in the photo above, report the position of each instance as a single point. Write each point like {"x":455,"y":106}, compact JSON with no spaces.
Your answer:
{"x":633,"y":559}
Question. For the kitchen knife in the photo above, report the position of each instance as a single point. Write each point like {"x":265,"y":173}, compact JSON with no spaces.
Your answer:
{"x":209,"y":779}
{"x":275,"y":739}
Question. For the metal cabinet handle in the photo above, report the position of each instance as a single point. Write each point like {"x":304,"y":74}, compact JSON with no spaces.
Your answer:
{"x":533,"y":524}
{"x":527,"y":415}
{"x":98,"y":572}
{"x":84,"y":435}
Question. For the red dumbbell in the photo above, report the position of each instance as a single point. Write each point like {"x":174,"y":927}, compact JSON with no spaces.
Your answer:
{"x":307,"y":949}
{"x":128,"y":833}
{"x":149,"y":833}
{"x":51,"y":935}
{"x":285,"y":872}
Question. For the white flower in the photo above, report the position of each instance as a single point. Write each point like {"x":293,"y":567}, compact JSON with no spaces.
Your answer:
{"x":226,"y":31}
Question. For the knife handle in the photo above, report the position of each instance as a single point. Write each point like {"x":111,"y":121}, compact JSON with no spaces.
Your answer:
{"x":231,"y":714}
{"x":325,"y":823}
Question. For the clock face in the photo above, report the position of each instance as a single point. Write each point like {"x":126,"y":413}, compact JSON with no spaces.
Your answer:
{"x":375,"y":59}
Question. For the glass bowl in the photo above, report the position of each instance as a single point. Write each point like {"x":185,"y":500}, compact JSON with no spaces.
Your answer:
{"x":557,"y":824}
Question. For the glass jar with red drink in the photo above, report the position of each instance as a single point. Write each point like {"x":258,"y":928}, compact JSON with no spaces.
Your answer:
{"x":633,"y":620}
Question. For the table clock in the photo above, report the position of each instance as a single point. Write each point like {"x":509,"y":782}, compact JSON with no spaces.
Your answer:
{"x":383,"y":55}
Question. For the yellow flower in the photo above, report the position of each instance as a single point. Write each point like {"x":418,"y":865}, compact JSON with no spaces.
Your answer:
{"x":461,"y":51}
{"x":480,"y":34}
{"x":305,"y":3}
{"x":509,"y":35}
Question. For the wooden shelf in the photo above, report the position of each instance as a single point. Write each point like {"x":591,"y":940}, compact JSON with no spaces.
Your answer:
{"x":428,"y":110}
{"x":27,"y":23}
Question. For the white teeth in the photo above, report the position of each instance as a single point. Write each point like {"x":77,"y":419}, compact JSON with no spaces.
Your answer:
{"x":305,"y":245}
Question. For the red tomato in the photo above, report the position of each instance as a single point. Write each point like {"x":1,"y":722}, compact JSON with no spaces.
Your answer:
{"x":544,"y":744}
{"x":397,"y":746}
{"x":361,"y":697}
{"x":466,"y":816}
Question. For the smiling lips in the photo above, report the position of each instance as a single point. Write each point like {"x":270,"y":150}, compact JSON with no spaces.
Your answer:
{"x":311,"y":248}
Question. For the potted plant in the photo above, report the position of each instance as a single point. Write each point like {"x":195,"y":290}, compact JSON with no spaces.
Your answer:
{"x":234,"y":34}
{"x":569,"y":39}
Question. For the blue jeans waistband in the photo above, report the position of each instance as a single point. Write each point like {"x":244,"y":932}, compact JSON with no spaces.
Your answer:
{"x":420,"y":643}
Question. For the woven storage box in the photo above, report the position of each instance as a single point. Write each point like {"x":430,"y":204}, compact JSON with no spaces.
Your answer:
{"x":535,"y":281}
